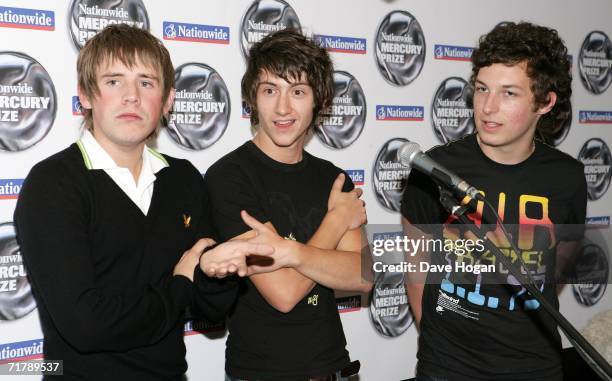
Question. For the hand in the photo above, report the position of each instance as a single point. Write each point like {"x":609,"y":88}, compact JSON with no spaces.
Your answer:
{"x":285,"y":251}
{"x":230,"y":257}
{"x":347,"y":204}
{"x":186,"y":265}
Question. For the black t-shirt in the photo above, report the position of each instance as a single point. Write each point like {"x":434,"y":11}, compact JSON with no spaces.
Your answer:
{"x":263,"y":342}
{"x":488,"y":331}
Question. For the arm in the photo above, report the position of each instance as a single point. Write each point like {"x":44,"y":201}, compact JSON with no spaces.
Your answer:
{"x":53,"y":221}
{"x":415,"y":281}
{"x":338,"y":269}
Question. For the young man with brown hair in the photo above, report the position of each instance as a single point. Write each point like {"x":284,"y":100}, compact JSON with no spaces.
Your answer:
{"x":110,"y":230}
{"x":285,"y":325}
{"x":486,"y":330}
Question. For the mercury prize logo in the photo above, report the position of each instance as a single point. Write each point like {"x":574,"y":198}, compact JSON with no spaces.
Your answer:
{"x":264,"y":17}
{"x":400,"y":48}
{"x":595,"y":62}
{"x":340,"y":124}
{"x":201,"y":108}
{"x":88,"y":17}
{"x":27,"y":101}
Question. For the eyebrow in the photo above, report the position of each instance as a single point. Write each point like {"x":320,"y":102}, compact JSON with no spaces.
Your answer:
{"x":140,"y":75}
{"x":291,"y":84}
{"x":503,"y":86}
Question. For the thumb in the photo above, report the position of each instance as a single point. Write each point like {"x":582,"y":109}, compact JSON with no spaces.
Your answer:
{"x":338,"y":183}
{"x":252,"y":222}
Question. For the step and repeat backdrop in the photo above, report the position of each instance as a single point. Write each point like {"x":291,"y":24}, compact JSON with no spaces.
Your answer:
{"x":401,"y":75}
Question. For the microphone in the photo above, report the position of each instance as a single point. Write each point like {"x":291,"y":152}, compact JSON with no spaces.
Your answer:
{"x":410,"y":154}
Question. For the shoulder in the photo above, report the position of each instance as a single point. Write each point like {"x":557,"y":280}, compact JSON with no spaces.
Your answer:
{"x":559,"y":159}
{"x":456,"y":148}
{"x":66,"y":164}
{"x":179,"y":167}
{"x":230,"y":163}
{"x":328,"y":172}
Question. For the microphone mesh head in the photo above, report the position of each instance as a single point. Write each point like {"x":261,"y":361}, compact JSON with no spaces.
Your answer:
{"x":406,"y":152}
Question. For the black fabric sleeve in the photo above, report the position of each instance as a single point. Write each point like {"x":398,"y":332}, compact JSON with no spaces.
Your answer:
{"x":52,"y":219}
{"x":231,"y":189}
{"x":420,"y":202}
{"x":212,"y":298}
{"x":575,"y":224}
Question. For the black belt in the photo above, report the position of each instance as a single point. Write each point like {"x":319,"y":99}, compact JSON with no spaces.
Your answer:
{"x":350,"y":370}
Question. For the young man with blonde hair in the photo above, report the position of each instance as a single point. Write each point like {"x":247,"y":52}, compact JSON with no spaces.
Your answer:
{"x":110,"y":230}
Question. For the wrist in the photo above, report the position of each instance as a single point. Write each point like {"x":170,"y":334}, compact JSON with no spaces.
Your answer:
{"x":334,"y":217}
{"x":206,"y":249}
{"x":296,"y":254}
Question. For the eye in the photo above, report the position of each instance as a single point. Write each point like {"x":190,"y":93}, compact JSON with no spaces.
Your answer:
{"x":299,"y":92}
{"x":510,"y":93}
{"x":112,"y":82}
{"x":481,"y":89}
{"x":147,"y":84}
{"x":267,"y":91}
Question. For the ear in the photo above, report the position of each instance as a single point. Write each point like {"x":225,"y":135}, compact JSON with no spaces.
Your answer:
{"x":83,"y":98}
{"x":545,"y":108}
{"x":169,"y":101}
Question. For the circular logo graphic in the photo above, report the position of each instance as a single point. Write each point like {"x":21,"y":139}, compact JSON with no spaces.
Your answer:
{"x":27,"y":101}
{"x":16,"y":298}
{"x":563,"y":131}
{"x":595,"y":62}
{"x":389,"y":175}
{"x":451,"y":111}
{"x":340,"y":124}
{"x":389,"y":308}
{"x":88,"y":17}
{"x":590,"y":277}
{"x":400,"y":48}
{"x":201,"y":109}
{"x":596,"y":157}
{"x":264,"y":17}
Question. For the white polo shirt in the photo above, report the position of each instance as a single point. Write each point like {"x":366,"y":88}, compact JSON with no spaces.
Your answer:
{"x":141,"y":191}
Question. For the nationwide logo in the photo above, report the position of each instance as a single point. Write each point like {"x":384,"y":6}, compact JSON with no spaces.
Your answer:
{"x":211,"y":34}
{"x":195,"y":327}
{"x":356,"y":175}
{"x":349,"y":303}
{"x":10,"y":188}
{"x":340,"y":44}
{"x":598,"y":222}
{"x":453,"y":53}
{"x":24,"y":18}
{"x":77,"y":107}
{"x":21,"y":351}
{"x":595,"y":117}
{"x":403,"y":113}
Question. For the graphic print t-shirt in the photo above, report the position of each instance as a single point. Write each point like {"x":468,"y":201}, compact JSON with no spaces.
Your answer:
{"x":476,"y":328}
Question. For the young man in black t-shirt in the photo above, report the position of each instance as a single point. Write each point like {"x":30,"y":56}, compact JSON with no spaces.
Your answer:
{"x":285,"y":325}
{"x":492,"y":329}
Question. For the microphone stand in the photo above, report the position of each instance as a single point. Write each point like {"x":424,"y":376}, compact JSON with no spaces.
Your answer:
{"x":583,"y":347}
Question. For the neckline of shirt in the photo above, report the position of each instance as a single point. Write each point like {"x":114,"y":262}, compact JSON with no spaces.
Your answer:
{"x":277,"y":165}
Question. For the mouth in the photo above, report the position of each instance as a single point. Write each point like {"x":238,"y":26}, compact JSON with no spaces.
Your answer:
{"x":490,"y":125}
{"x":129,"y":116}
{"x":285,"y":123}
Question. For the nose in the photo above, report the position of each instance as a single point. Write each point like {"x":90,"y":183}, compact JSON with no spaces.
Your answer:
{"x":283,"y":104}
{"x":131,"y":93}
{"x":491,"y":103}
